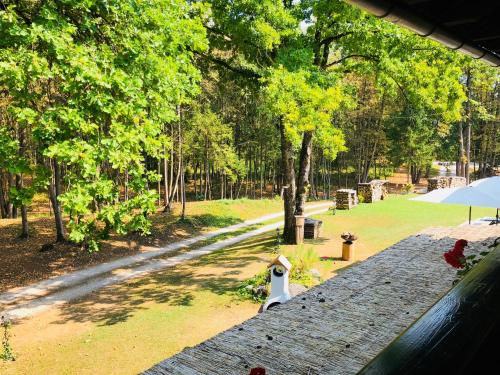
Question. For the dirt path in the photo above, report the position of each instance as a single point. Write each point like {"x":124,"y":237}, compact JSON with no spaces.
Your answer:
{"x":26,"y":262}
{"x":25,"y":302}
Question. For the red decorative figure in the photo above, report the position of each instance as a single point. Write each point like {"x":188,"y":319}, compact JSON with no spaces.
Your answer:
{"x":455,"y":257}
{"x":258,"y":371}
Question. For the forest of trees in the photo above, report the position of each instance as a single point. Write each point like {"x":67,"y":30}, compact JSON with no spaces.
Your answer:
{"x":115,"y":108}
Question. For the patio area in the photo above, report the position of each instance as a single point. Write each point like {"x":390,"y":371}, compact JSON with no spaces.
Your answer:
{"x":339,"y":326}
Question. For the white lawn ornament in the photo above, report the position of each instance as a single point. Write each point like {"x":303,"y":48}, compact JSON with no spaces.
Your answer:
{"x":280,"y":269}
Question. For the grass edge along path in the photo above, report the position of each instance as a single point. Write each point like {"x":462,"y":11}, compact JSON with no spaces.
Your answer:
{"x":24,"y":310}
{"x":54,"y":283}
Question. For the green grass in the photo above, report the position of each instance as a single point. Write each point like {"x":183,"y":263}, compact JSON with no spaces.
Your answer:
{"x":129,"y":327}
{"x":210,"y":215}
{"x":219,"y":213}
{"x":389,"y":221}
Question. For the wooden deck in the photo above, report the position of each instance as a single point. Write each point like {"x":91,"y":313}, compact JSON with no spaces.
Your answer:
{"x":339,"y":326}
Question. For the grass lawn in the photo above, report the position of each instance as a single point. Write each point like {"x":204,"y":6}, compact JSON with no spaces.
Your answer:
{"x":127,"y":328}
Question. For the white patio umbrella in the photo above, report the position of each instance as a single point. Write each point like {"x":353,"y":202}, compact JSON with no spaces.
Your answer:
{"x":472,"y":195}
{"x":490,"y":185}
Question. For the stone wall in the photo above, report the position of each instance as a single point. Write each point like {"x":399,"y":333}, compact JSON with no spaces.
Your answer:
{"x":445,"y":182}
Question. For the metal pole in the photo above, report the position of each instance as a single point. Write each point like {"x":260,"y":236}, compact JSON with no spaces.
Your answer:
{"x":470,"y":213}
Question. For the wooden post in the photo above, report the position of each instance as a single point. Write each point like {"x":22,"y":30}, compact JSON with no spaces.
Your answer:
{"x":347,"y":251}
{"x":299,"y":229}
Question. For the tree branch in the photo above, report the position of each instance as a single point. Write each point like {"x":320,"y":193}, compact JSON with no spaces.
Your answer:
{"x":332,"y":38}
{"x":367,"y":57}
{"x":244,"y":72}
{"x":213,"y":30}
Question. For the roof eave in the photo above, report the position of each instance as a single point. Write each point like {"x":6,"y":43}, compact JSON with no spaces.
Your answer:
{"x":401,"y":16}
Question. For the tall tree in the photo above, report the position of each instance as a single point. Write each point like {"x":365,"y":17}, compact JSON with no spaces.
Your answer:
{"x":100,"y":80}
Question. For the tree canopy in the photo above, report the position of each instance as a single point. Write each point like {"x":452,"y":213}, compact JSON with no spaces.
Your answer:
{"x":114,"y":107}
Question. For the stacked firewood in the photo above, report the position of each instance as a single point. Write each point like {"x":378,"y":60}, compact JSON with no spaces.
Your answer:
{"x":372,"y":191}
{"x":443,"y":182}
{"x":346,"y":199}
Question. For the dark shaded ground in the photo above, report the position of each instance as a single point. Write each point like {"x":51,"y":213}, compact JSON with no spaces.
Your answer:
{"x":26,"y":261}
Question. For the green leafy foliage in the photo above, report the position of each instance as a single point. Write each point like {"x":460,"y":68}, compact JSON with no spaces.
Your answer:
{"x":305,"y":106}
{"x":303,"y":259}
{"x":248,"y":289}
{"x":99,"y":94}
{"x":7,"y":353}
{"x":469,"y":262}
{"x":209,"y":139}
{"x":97,"y":82}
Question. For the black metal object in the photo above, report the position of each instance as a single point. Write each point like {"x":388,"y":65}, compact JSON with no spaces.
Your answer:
{"x":312,"y":228}
{"x":471,"y":27}
{"x":456,"y":334}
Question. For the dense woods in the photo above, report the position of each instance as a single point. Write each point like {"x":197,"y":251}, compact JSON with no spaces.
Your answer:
{"x":114,"y":109}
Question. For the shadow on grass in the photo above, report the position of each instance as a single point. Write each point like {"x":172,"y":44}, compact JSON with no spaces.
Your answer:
{"x":316,"y":241}
{"x":326,"y":258}
{"x":209,"y":220}
{"x":216,"y":273}
{"x":23,"y":263}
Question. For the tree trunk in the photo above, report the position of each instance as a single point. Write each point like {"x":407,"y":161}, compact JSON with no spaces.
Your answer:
{"x":313,"y":190}
{"x":165,"y":178}
{"x":183,"y":182}
{"x":290,"y":188}
{"x":195,"y":180}
{"x":416,"y":173}
{"x":12,"y":208}
{"x":159,"y":182}
{"x":222,"y":185}
{"x":25,"y":226}
{"x":261,"y":170}
{"x":173,"y":193}
{"x":303,"y":178}
{"x":200,"y":178}
{"x":24,"y":211}
{"x":205,"y":170}
{"x":468,"y":134}
{"x":175,"y":190}
{"x":54,"y":192}
{"x":3,"y":203}
{"x":468,"y":131}
{"x":461,"y":151}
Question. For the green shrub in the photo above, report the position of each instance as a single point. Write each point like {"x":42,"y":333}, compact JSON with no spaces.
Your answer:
{"x":303,"y":259}
{"x":7,"y":353}
{"x":249,"y":288}
{"x":408,"y":188}
{"x":305,"y":279}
